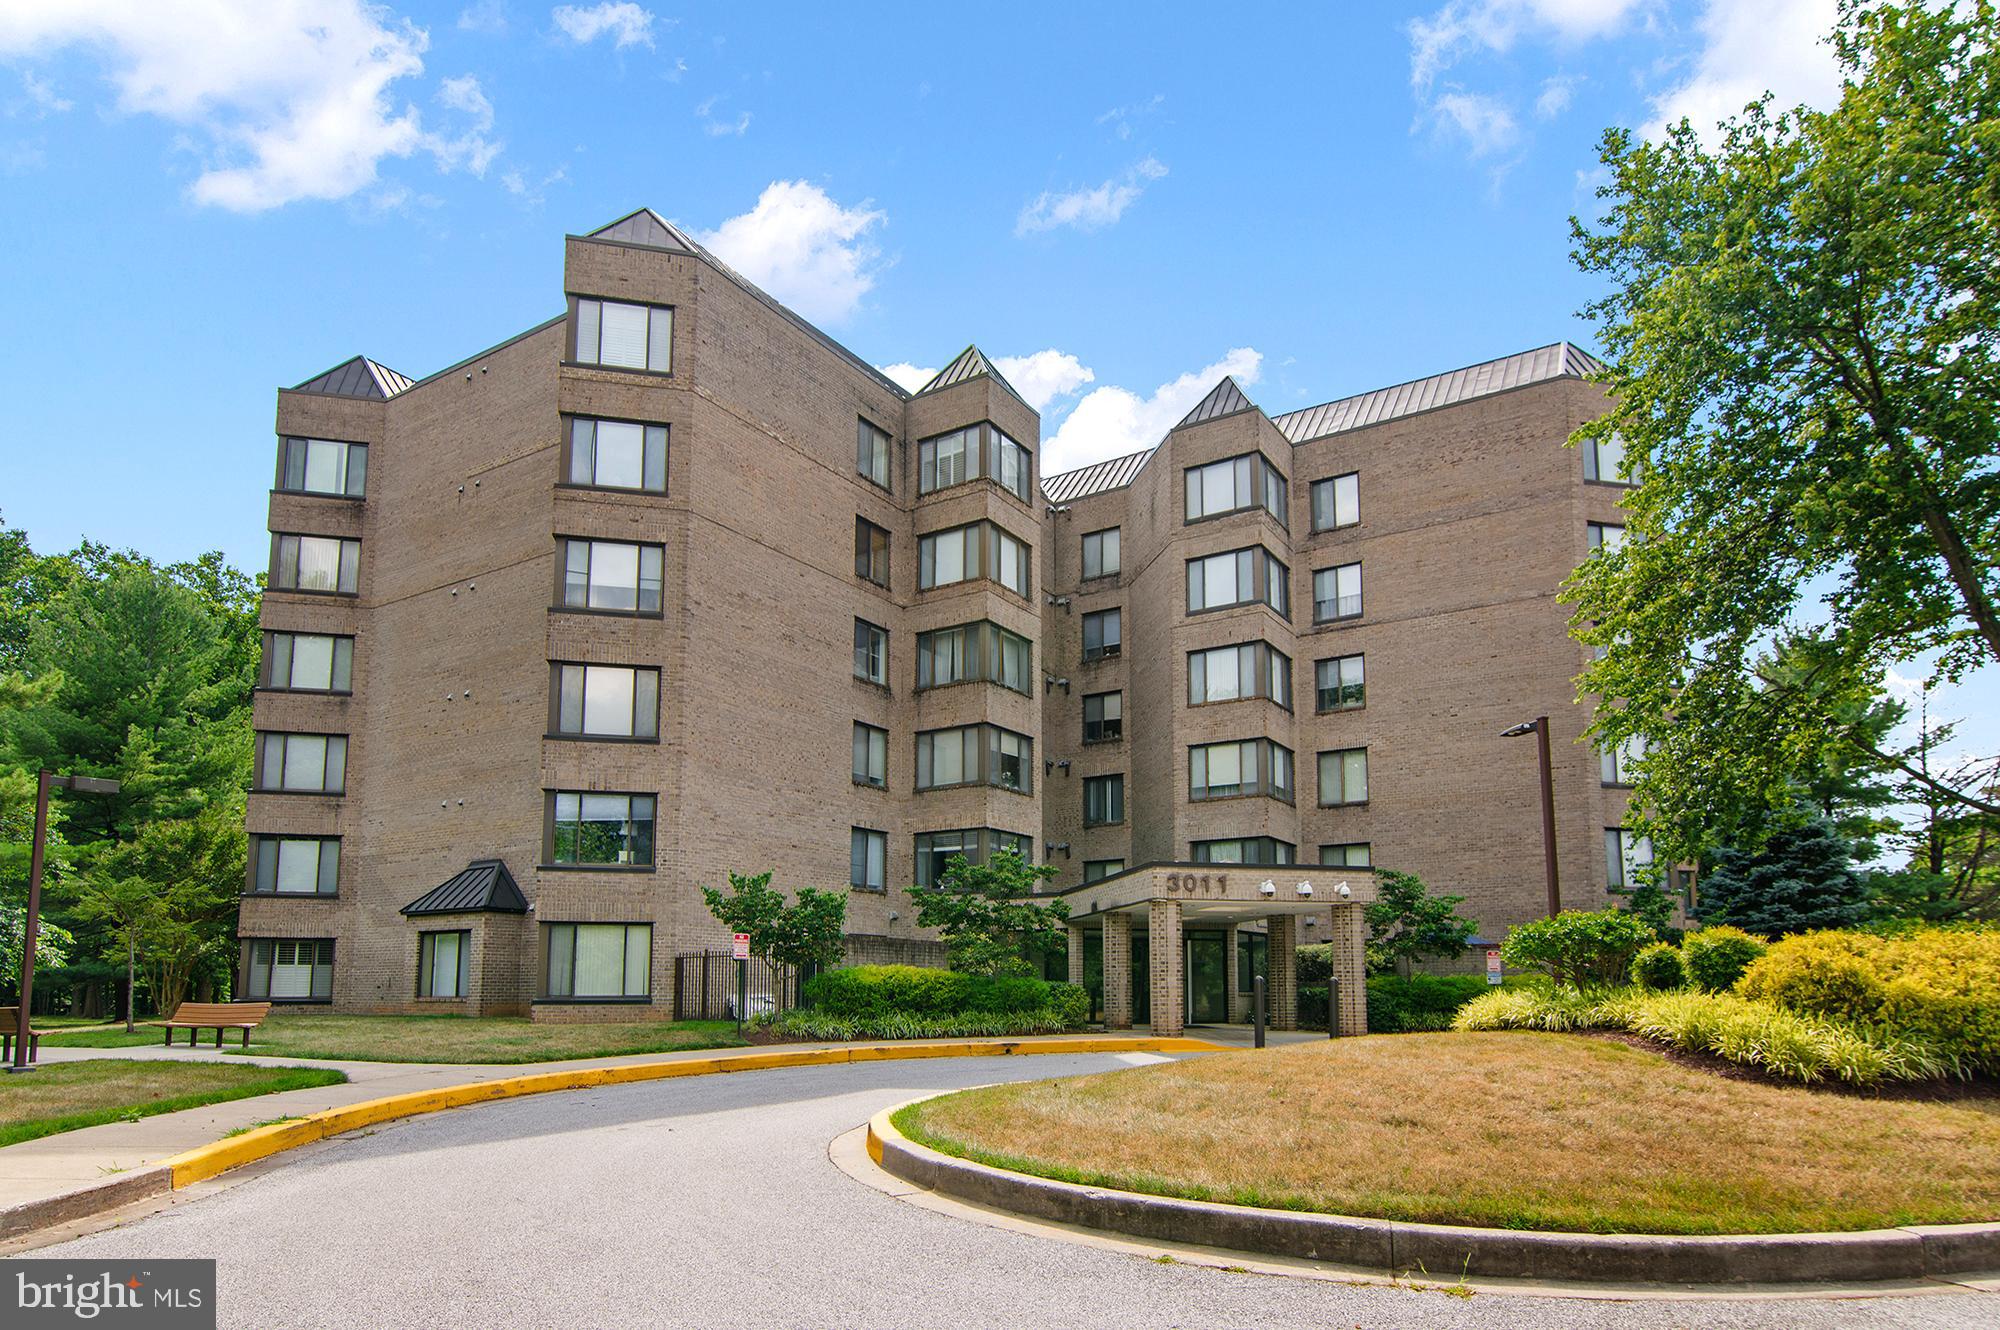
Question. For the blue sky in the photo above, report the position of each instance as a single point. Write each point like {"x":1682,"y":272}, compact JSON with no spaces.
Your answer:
{"x":204,"y":200}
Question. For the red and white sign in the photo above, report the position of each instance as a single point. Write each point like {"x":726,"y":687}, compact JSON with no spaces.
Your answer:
{"x":1493,"y":966}
{"x":742,"y":941}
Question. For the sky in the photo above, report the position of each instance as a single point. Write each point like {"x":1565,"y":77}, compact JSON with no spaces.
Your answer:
{"x":202,"y":201}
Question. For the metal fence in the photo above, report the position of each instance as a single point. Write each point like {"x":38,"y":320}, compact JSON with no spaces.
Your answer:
{"x":705,"y":987}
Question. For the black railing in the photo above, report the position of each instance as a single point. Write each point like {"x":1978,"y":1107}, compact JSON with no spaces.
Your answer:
{"x":706,"y":987}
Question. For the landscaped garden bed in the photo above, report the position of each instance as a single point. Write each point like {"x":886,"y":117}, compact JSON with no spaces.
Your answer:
{"x":488,"y":1039}
{"x":914,"y":1002}
{"x":65,"y":1096}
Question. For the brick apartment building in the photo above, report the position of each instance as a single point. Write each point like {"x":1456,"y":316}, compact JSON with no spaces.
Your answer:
{"x":564,"y":632}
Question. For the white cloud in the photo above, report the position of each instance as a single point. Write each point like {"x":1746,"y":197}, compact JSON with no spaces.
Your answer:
{"x":1556,"y":95}
{"x":717,"y":127}
{"x":1437,"y":42}
{"x":1777,"y":45}
{"x":1110,"y":421}
{"x":1484,"y":122}
{"x":625,"y":23}
{"x":910,"y":377}
{"x":803,"y":248}
{"x":1120,"y":118}
{"x":471,"y":148}
{"x":1044,"y":376}
{"x":1089,"y":209}
{"x":485,"y":16}
{"x":42,"y":98}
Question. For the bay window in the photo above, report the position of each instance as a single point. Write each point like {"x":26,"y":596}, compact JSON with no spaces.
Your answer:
{"x":301,"y":763}
{"x":936,"y":849}
{"x":307,"y":663}
{"x":1251,"y":669}
{"x":616,"y":454}
{"x":970,"y":652}
{"x":976,"y":550}
{"x":1235,"y":485}
{"x":323,"y":466}
{"x":611,"y":576}
{"x":1243,"y":850}
{"x":976,"y":452}
{"x":1238,"y":577}
{"x":444,"y":964}
{"x":1242,"y":767}
{"x":328,"y":565}
{"x":294,"y":865}
{"x":975,"y":755}
{"x":288,"y":969}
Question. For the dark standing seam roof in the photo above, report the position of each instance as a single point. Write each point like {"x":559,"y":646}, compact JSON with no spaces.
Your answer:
{"x":1225,"y":399}
{"x":1557,"y":361}
{"x":359,"y":377}
{"x":485,"y":885}
{"x":644,"y":227}
{"x":969,"y":364}
{"x":1094,"y":479}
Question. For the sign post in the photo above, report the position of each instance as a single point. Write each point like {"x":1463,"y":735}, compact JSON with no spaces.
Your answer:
{"x":1493,"y":965}
{"x":740,"y":944}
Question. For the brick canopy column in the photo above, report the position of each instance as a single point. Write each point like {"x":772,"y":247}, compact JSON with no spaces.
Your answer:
{"x":1283,"y":990}
{"x":1349,"y":935}
{"x":1118,"y":971}
{"x":1164,"y":954}
{"x":1076,"y":954}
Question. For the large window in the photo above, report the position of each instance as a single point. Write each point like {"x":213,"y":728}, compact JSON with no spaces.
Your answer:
{"x":1336,"y":502}
{"x":871,"y":453}
{"x":302,"y":763}
{"x":1245,"y":850}
{"x":868,"y":859}
{"x":1096,"y":870}
{"x":871,"y":756}
{"x":294,"y":865}
{"x":974,"y":652}
{"x":1604,"y":460}
{"x":611,"y":575}
{"x":616,"y":455}
{"x":1248,"y":766}
{"x":936,"y":849}
{"x":1616,"y":764}
{"x":587,"y":827}
{"x":1253,"y":960}
{"x":980,"y":549}
{"x":308,"y":663}
{"x":623,"y":336}
{"x":1355,"y":854}
{"x":289,"y":970}
{"x":1103,"y":634}
{"x":1235,"y":485}
{"x":597,"y":962}
{"x":1227,"y":674}
{"x":1337,"y":593}
{"x":1343,"y":777}
{"x":1100,"y":553}
{"x":1103,"y":717}
{"x":325,"y":564}
{"x":1103,"y":800}
{"x":1341,"y":684}
{"x":444,"y":964}
{"x":1237,"y":577}
{"x":604,"y":702}
{"x":976,"y":452}
{"x":975,"y":755}
{"x":1625,"y":857}
{"x":871,"y":652}
{"x":323,"y":466}
{"x":871,"y":552}
{"x":1604,"y":535}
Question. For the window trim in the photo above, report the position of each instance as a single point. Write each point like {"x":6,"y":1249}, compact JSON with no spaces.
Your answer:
{"x":1262,"y":654}
{"x":986,"y":841}
{"x":986,"y":747}
{"x":257,"y":785}
{"x":1264,"y":785}
{"x":277,"y":564}
{"x":463,"y":968}
{"x":264,"y":663}
{"x":550,"y":822}
{"x":1318,"y":690}
{"x":560,"y":605}
{"x":257,"y":839}
{"x":1262,"y":582}
{"x":1262,"y":467}
{"x":987,"y":644}
{"x":565,"y":450}
{"x":556,"y":668}
{"x":571,"y":360}
{"x":249,"y":965}
{"x":1361,"y":597}
{"x":1088,"y":781}
{"x":989,"y":436}
{"x":543,"y":998}
{"x":1312,"y":515}
{"x":1319,"y":781}
{"x":991,"y":533}
{"x":285,"y":442}
{"x":1195,"y":856}
{"x":1105,"y":650}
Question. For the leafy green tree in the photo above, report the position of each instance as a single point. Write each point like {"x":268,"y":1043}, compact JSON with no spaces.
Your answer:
{"x":1579,"y":948}
{"x":127,"y":905}
{"x":988,"y":915}
{"x":1803,"y":339}
{"x":1406,"y":923}
{"x":808,"y":933}
{"x":1803,"y":878}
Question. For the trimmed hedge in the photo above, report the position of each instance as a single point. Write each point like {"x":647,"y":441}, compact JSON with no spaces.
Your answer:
{"x":822,"y":1026}
{"x":1659,"y":968}
{"x":873,"y":999}
{"x":1717,"y":956}
{"x":1420,"y":1002}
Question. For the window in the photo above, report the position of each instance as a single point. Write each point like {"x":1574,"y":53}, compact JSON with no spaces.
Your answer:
{"x":1625,"y":858}
{"x":1234,"y":485}
{"x":1249,"y":766}
{"x":1237,"y":577}
{"x":616,"y":455}
{"x":980,"y":549}
{"x":868,"y":859}
{"x":611,"y":576}
{"x":871,"y":756}
{"x":976,"y":452}
{"x":1102,"y":634}
{"x":604,"y":702}
{"x":1100,"y":553}
{"x":1247,"y":850}
{"x":1604,"y":461}
{"x":586,"y":827}
{"x":1340,"y":684}
{"x":1355,"y":855}
{"x":294,"y":865}
{"x":323,"y":466}
{"x":302,"y":763}
{"x":308,"y":663}
{"x":936,"y":849}
{"x":871,"y":552}
{"x":1227,"y":674}
{"x":1337,"y":593}
{"x":603,"y":962}
{"x":444,"y":964}
{"x":316,"y":563}
{"x":290,"y":970}
{"x":1604,"y":535}
{"x":1103,"y":717}
{"x":1615,"y":764}
{"x":1103,"y":800}
{"x":1336,"y":502}
{"x":1343,"y":777}
{"x":871,"y":453}
{"x":975,"y":755}
{"x":623,"y":336}
{"x":974,"y":652}
{"x":1096,"y":870}
{"x":1253,"y":961}
{"x":871,"y":652}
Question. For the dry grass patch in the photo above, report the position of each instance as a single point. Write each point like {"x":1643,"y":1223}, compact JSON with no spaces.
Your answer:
{"x":63,"y":1096}
{"x":1508,"y":1130}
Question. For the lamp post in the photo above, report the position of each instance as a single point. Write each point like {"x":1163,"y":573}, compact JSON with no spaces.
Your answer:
{"x":31,"y":926}
{"x":1539,"y":727}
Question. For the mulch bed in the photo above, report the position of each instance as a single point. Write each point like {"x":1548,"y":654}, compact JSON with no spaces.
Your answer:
{"x":1980,"y":1092}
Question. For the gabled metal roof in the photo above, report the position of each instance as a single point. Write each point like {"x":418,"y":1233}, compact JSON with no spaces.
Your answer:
{"x":645,"y":227}
{"x":1225,"y":399}
{"x":1095,"y":478}
{"x":484,"y":886}
{"x":969,"y":364}
{"x":1557,"y":361}
{"x":359,"y":377}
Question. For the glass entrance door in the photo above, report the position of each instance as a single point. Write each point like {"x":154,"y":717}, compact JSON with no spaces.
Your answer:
{"x":1205,"y":968}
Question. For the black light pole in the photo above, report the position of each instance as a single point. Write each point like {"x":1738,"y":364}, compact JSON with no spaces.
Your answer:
{"x":31,"y":926}
{"x":1539,"y":727}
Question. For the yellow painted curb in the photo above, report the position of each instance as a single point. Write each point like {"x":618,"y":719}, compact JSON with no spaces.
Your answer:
{"x":209,"y":1160}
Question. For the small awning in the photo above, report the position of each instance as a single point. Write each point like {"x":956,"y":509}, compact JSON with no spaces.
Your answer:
{"x":485,"y":885}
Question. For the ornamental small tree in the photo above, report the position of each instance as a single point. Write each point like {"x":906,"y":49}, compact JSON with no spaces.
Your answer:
{"x":988,"y":915}
{"x":1406,"y":923}
{"x":806,"y":933}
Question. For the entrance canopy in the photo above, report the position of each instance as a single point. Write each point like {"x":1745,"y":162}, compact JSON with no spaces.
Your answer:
{"x":1222,"y":893}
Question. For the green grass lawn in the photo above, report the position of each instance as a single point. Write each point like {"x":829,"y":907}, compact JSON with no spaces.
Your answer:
{"x":64,"y":1096}
{"x":496,"y":1039}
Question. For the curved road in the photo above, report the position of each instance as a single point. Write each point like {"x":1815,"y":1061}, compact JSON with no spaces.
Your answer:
{"x":710,"y":1202}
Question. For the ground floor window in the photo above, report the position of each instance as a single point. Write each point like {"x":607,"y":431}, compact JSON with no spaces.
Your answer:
{"x":444,"y":964}
{"x":1253,"y":959}
{"x":290,"y":970}
{"x":597,"y":961}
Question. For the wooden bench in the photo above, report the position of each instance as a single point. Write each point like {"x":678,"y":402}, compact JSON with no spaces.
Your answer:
{"x":194,"y":1017}
{"x":10,"y":1025}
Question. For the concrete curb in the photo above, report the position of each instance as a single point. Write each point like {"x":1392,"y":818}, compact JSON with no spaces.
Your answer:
{"x":207,"y":1161}
{"x":1445,"y":1252}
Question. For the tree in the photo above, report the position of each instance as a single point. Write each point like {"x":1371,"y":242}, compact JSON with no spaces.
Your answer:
{"x":990,"y":921}
{"x":1407,"y":924}
{"x":1953,"y":868}
{"x":1802,"y":331}
{"x":1803,"y":878}
{"x":128,"y":904}
{"x":805,"y":934}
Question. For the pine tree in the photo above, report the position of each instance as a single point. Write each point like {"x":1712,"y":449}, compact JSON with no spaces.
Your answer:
{"x":1802,"y":879}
